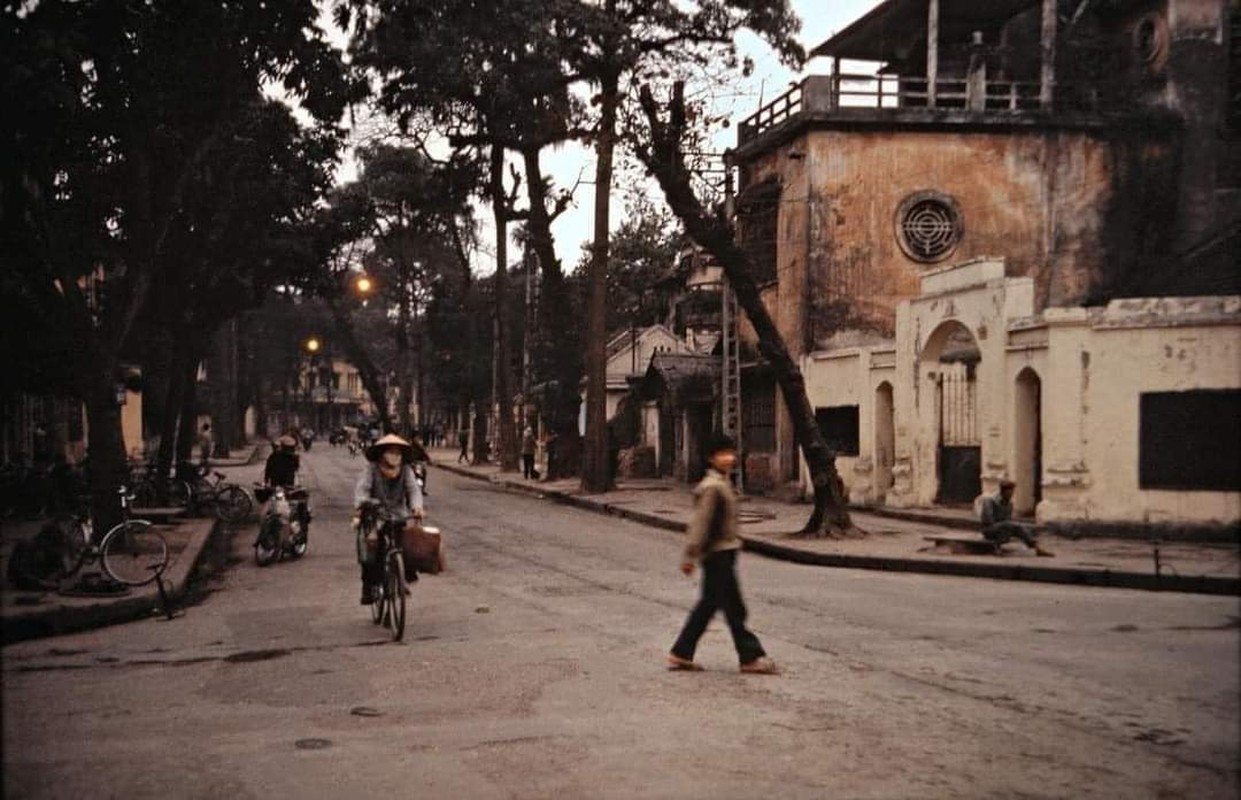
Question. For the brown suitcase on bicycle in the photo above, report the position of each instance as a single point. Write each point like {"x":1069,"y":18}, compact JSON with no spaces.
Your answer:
{"x":423,"y":549}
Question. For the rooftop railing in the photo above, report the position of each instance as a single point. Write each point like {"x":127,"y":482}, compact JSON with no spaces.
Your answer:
{"x":845,"y":93}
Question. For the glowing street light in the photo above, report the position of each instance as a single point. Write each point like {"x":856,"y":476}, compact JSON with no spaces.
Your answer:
{"x":364,"y":285}
{"x":312,"y":345}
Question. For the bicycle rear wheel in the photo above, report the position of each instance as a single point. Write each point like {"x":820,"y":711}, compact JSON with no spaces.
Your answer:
{"x":232,"y":504}
{"x":134,"y":553}
{"x":394,"y":588}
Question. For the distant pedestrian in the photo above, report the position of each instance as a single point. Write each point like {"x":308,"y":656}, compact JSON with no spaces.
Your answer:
{"x":463,"y":439}
{"x":206,"y":444}
{"x":998,"y":525}
{"x":712,"y":539}
{"x":528,"y":446}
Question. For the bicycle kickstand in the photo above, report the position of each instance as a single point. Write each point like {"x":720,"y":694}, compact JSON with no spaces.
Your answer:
{"x":164,"y":602}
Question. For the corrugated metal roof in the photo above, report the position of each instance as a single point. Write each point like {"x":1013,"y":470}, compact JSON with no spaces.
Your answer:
{"x":895,"y":28}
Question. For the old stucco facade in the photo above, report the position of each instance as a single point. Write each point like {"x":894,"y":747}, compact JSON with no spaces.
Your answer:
{"x":1077,"y":200}
{"x":1059,"y":397}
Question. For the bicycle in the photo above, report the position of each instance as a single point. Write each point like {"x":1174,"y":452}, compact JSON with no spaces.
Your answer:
{"x":389,"y":608}
{"x":132,"y":552}
{"x":146,"y":490}
{"x":209,"y":491}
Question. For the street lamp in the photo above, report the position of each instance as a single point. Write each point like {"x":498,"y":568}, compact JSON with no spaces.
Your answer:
{"x":311,"y":346}
{"x":364,"y":287}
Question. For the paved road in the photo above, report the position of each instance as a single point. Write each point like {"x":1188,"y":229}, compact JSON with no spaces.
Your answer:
{"x":533,"y":669}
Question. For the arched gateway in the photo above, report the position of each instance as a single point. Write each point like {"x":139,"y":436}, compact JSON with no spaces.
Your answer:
{"x":952,"y":359}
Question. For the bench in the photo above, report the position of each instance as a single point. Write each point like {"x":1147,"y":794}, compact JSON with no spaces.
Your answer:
{"x":965,"y":545}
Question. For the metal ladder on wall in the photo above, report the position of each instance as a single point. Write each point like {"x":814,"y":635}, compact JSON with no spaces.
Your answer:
{"x":730,"y":410}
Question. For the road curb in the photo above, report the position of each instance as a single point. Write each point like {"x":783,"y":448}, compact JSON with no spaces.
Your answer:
{"x":54,"y":620}
{"x":1115,"y":579}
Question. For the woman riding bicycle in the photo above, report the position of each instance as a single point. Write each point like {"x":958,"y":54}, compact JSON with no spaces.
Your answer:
{"x":389,"y":481}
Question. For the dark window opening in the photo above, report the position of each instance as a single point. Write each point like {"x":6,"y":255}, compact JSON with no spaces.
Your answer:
{"x":1190,"y":441}
{"x":839,"y":426}
{"x":758,"y":217}
{"x":758,"y":421}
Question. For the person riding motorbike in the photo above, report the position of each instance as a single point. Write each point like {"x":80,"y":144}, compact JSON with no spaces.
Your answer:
{"x":281,"y":470}
{"x":388,"y":480}
{"x":283,"y":463}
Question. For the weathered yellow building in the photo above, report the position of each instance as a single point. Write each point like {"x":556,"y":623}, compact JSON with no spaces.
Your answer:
{"x":1010,"y":251}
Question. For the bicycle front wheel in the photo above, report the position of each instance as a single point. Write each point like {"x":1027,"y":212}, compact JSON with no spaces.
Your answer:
{"x":232,"y":504}
{"x":134,"y":553}
{"x":394,"y":588}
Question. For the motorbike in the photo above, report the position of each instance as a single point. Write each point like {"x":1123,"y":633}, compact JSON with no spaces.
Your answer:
{"x":285,"y":528}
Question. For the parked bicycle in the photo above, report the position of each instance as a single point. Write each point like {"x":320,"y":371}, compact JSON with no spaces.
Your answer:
{"x":389,"y":607}
{"x":132,"y":552}
{"x":146,"y":490}
{"x":209,"y":493}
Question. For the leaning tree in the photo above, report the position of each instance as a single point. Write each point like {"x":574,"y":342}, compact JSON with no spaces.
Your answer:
{"x":663,"y":156}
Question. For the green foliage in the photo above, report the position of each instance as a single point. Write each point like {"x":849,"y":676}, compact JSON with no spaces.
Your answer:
{"x":643,"y":250}
{"x":144,"y":149}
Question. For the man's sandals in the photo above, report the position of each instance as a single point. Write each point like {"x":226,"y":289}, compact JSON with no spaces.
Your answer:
{"x":759,"y":666}
{"x":676,"y":663}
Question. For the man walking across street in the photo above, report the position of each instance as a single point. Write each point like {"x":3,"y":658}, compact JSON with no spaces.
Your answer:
{"x":997,"y":520}
{"x":463,"y":439}
{"x":712,"y":540}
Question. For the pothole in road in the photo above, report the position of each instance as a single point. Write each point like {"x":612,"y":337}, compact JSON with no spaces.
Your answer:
{"x":312,"y":744}
{"x":247,"y":656}
{"x":366,"y":711}
{"x":66,"y":651}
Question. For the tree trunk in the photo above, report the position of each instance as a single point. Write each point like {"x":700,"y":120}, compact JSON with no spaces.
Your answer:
{"x":559,"y":344}
{"x":481,"y":453}
{"x":108,"y":468}
{"x":596,"y":457}
{"x":187,"y":430}
{"x":665,"y":161}
{"x":221,"y":374}
{"x":503,"y":364}
{"x":361,"y":360}
{"x":404,"y":377}
{"x":182,"y":369}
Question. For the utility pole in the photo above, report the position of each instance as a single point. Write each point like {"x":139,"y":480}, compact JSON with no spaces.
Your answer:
{"x":730,"y":411}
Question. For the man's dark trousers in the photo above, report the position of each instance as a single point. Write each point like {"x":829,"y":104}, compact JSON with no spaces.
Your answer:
{"x":527,"y":465}
{"x":720,"y":592}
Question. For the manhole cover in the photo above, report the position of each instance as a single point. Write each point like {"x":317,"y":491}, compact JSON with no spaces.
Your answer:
{"x":363,"y":711}
{"x":312,"y":744}
{"x":255,"y":655}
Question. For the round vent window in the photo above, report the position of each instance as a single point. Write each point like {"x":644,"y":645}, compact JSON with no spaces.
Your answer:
{"x":928,"y":226}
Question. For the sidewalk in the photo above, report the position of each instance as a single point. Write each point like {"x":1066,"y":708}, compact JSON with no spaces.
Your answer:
{"x":897,"y":540}
{"x":30,"y":615}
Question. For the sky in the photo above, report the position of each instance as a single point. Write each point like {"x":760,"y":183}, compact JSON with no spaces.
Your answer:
{"x":573,"y":164}
{"x":820,"y":19}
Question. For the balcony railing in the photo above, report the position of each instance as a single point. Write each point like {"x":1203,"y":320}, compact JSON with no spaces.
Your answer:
{"x":843,"y":93}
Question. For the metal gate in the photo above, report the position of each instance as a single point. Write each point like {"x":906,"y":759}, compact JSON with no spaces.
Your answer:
{"x":960,"y":447}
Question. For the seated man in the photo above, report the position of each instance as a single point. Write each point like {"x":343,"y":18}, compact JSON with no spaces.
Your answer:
{"x":998,"y":525}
